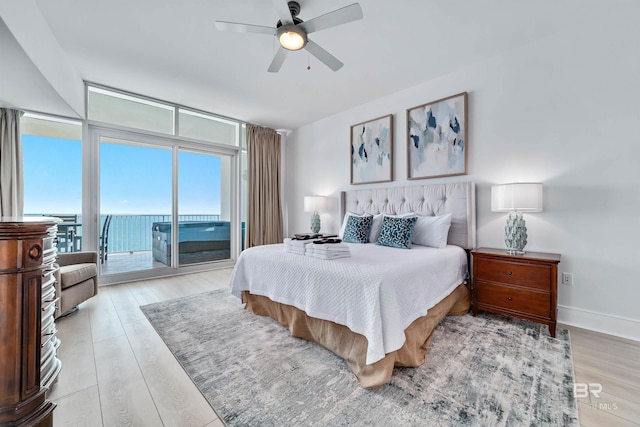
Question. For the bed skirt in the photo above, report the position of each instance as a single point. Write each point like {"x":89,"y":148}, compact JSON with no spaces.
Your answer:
{"x":352,"y":347}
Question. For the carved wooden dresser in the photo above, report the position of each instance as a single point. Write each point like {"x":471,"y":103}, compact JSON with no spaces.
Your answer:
{"x":28,"y":342}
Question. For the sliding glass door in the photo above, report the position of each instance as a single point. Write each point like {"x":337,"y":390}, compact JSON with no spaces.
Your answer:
{"x":204,"y":226}
{"x":163,"y":204}
{"x":135,"y":205}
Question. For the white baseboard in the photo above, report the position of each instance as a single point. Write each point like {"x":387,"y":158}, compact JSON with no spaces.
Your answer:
{"x":600,"y":322}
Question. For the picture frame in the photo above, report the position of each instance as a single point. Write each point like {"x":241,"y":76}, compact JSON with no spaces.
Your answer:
{"x":372,"y":151}
{"x":437,"y":143}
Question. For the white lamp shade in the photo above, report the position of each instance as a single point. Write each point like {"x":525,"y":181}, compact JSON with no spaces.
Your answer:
{"x":521,"y":196}
{"x":315,"y":203}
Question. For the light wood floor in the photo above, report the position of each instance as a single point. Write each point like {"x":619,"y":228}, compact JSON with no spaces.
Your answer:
{"x":116,"y":371}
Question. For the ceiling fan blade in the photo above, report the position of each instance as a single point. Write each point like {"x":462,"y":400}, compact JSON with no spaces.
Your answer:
{"x":282,"y":9}
{"x":337,"y":17}
{"x":244,"y":28}
{"x":325,"y":57}
{"x":281,"y":55}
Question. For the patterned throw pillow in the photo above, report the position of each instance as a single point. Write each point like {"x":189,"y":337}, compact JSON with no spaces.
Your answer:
{"x":344,"y":222}
{"x":357,"y":229}
{"x":396,"y":232}
{"x":376,"y":226}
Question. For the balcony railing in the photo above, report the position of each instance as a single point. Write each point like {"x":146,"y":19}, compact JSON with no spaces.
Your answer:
{"x":131,"y":233}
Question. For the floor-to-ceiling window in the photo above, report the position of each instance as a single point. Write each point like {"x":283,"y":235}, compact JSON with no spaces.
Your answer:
{"x":166,"y":183}
{"x":52,"y":160}
{"x":155,"y":188}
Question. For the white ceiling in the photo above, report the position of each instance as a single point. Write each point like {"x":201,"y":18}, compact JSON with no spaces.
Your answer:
{"x":171,"y":50}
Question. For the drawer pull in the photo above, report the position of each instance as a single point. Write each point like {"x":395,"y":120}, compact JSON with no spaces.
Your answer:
{"x":509,"y":273}
{"x":34,"y":252}
{"x":510,"y":298}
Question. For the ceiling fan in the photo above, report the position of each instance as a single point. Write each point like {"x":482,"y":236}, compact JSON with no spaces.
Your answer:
{"x":292,"y":31}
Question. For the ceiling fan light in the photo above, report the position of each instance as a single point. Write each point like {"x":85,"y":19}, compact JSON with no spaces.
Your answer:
{"x":292,"y":38}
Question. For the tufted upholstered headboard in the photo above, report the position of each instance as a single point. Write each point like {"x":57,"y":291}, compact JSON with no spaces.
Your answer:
{"x":431,"y":199}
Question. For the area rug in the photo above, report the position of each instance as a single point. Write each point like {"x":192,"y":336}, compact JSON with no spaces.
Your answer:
{"x":488,"y":370}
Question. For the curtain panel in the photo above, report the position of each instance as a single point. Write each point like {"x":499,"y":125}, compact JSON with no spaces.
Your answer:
{"x":264,"y":211}
{"x":11,"y":175}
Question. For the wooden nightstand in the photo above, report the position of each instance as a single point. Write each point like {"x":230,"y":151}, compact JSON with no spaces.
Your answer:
{"x":516,"y":285}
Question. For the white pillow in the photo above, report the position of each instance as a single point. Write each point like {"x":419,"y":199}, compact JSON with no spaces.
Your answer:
{"x":432,"y":231}
{"x":376,"y":225}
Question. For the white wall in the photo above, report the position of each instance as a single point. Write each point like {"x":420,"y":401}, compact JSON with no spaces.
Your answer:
{"x":561,"y":111}
{"x":36,"y":73}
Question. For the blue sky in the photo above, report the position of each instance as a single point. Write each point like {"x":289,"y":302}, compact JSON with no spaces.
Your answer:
{"x":134,"y":179}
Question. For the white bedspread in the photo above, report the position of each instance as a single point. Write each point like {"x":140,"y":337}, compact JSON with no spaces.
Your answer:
{"x":377,"y":292}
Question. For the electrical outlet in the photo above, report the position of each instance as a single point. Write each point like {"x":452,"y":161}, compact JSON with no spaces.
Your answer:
{"x":567,"y":279}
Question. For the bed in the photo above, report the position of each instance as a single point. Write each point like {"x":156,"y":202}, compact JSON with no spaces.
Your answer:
{"x":378,"y":308}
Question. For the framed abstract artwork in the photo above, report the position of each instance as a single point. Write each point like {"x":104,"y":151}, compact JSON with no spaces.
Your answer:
{"x":372,"y":151}
{"x":437,"y":142}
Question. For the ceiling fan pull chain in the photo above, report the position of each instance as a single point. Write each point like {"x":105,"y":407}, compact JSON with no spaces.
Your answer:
{"x":308,"y":61}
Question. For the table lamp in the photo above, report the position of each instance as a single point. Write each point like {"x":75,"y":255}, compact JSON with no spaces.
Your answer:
{"x":516,"y":198}
{"x":314,"y":204}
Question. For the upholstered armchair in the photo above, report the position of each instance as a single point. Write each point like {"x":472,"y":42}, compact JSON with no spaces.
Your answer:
{"x":76,"y":280}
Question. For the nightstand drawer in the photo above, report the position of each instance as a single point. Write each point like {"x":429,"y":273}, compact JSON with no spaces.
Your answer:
{"x":534,"y":276}
{"x":535,"y":303}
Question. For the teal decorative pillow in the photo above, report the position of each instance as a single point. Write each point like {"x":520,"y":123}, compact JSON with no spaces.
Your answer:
{"x":357,"y":229}
{"x":396,"y":232}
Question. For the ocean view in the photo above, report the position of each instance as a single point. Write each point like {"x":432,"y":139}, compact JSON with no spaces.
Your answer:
{"x":133,"y":233}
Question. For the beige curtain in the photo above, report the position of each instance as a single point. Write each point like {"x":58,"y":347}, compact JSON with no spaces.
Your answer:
{"x":264,"y":212}
{"x":11,"y":179}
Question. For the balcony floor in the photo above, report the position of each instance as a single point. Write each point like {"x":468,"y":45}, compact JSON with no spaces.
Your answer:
{"x":129,"y":261}
{"x":124,"y":262}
